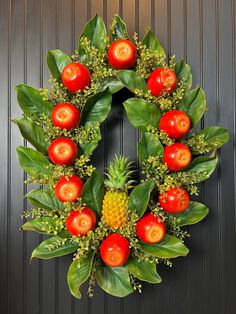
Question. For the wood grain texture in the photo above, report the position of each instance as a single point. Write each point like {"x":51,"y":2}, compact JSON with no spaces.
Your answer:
{"x":203,"y":32}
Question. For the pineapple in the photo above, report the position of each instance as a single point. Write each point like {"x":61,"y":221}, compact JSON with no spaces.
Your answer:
{"x":115,"y":202}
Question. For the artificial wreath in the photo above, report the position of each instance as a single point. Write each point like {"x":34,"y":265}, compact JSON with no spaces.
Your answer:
{"x":118,"y":231}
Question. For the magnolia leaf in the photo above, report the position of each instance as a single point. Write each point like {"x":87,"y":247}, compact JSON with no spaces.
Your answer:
{"x":139,"y":197}
{"x":131,"y":80}
{"x":41,"y":225}
{"x":95,"y":31}
{"x":53,"y":247}
{"x":143,"y":270}
{"x":97,"y":108}
{"x":169,"y":247}
{"x":57,"y":60}
{"x":114,"y":280}
{"x":204,"y":166}
{"x":151,"y":42}
{"x":32,"y":102}
{"x":149,"y":146}
{"x":213,"y":138}
{"x":79,"y":272}
{"x":194,"y":104}
{"x":113,"y":83}
{"x":192,"y":215}
{"x":88,"y":147}
{"x":33,"y":162}
{"x":183,"y":73}
{"x":118,"y":29}
{"x":33,"y":133}
{"x":141,"y":113}
{"x":45,"y":199}
{"x":93,"y":192}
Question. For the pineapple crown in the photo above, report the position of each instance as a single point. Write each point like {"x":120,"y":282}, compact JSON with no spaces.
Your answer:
{"x":118,"y":173}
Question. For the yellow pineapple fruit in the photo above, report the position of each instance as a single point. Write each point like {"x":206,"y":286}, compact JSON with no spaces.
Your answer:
{"x":115,"y":202}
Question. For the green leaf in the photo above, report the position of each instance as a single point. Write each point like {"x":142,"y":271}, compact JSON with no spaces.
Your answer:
{"x":93,"y":192}
{"x":114,"y":280}
{"x":32,"y":102}
{"x":52,"y":247}
{"x":131,"y":80}
{"x":97,"y":108}
{"x":118,"y":29}
{"x":33,"y":162}
{"x":33,"y":133}
{"x":213,"y":136}
{"x":45,"y":199}
{"x":79,"y":272}
{"x":204,"y":165}
{"x":144,"y":271}
{"x":194,"y":104}
{"x":95,"y":31}
{"x":193,"y":214}
{"x":149,"y":146}
{"x":139,"y":197}
{"x":41,"y":225}
{"x":113,"y":83}
{"x":151,"y":42}
{"x":142,"y":114}
{"x":88,"y":147}
{"x":183,"y":72}
{"x":169,"y":247}
{"x":57,"y":60}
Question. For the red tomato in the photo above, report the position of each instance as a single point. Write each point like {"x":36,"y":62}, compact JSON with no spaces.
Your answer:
{"x":62,"y":151}
{"x":81,"y":221}
{"x":175,"y":200}
{"x":175,"y":123}
{"x":122,"y":54}
{"x":68,"y":189}
{"x":177,"y":156}
{"x":115,"y":250}
{"x":161,"y":80}
{"x":66,"y":116}
{"x":150,"y":229}
{"x":76,"y":76}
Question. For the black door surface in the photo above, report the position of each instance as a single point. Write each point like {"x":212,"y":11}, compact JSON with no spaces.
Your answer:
{"x":201,"y":31}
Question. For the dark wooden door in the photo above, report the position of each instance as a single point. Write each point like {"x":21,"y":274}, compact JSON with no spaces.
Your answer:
{"x":201,"y":31}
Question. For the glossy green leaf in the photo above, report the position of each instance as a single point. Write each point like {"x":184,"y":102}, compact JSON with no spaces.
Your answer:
{"x":93,"y":192}
{"x":213,"y":137}
{"x":33,"y":133}
{"x":169,"y":247}
{"x":114,"y":280}
{"x":45,"y":199}
{"x":139,"y":197}
{"x":52,"y":247}
{"x":149,"y":146}
{"x":88,"y":147}
{"x":193,"y":214}
{"x":32,"y":102}
{"x":144,"y":271}
{"x":118,"y":29}
{"x":97,"y":108}
{"x":79,"y":272}
{"x":95,"y":31}
{"x":151,"y":42}
{"x":131,"y":80}
{"x":202,"y":165}
{"x":57,"y":60}
{"x":194,"y":104}
{"x":183,"y":72}
{"x":141,"y":113}
{"x":113,"y":83}
{"x":41,"y":225}
{"x":33,"y":162}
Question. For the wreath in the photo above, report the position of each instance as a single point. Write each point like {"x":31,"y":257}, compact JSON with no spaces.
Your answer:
{"x":117,"y":230}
